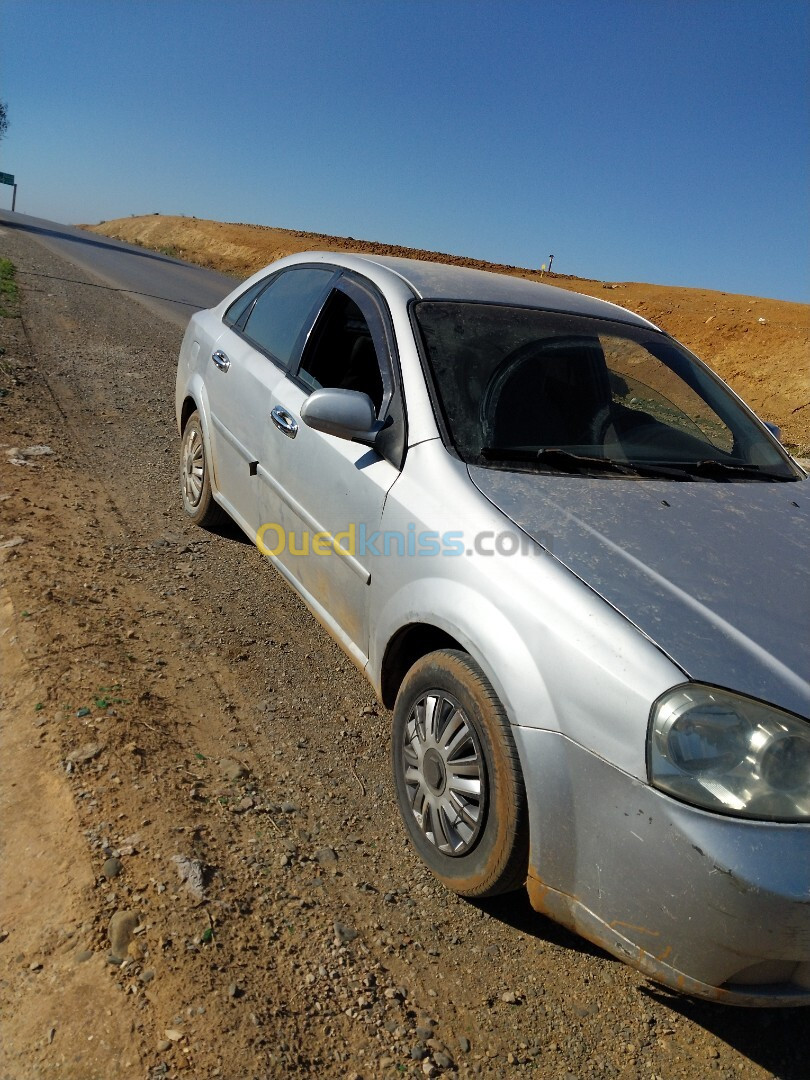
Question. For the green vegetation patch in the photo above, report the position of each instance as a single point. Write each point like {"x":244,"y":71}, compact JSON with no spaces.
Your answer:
{"x":9,"y":290}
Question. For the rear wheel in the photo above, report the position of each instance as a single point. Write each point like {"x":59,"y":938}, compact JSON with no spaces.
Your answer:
{"x":457,"y":776}
{"x":195,"y":479}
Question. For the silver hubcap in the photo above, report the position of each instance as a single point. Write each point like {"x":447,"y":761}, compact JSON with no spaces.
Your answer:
{"x":444,"y":773}
{"x":193,"y":467}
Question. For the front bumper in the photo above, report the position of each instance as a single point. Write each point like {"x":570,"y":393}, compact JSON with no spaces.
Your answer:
{"x":712,"y":906}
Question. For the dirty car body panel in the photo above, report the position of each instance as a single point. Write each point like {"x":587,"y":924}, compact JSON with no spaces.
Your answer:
{"x":564,"y":498}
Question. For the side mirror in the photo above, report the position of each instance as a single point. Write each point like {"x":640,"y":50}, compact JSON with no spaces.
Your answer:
{"x":774,"y":429}
{"x":346,"y":414}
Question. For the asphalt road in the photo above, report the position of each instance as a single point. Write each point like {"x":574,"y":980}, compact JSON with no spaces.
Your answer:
{"x":169,"y":287}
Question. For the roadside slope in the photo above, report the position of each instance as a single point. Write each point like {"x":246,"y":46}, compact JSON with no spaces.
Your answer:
{"x":760,"y":347}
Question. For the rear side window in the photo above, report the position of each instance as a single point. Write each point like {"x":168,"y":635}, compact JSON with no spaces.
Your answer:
{"x":285,"y":309}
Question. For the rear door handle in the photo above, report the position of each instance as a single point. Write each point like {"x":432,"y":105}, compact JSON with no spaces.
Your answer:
{"x":221,"y":360}
{"x":284,"y":422}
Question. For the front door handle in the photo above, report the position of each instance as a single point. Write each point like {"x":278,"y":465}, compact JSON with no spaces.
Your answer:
{"x":221,"y":360}
{"x":284,"y":422}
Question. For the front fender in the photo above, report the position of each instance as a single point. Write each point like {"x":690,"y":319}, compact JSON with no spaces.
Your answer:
{"x":461,"y":611}
{"x":558,"y":657}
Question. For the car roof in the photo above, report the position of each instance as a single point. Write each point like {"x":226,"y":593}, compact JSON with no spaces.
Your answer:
{"x":437,"y":280}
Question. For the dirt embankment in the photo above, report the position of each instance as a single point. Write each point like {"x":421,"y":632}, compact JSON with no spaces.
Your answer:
{"x":760,"y":347}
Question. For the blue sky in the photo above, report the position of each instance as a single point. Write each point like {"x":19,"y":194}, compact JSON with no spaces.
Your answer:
{"x":643,"y":140}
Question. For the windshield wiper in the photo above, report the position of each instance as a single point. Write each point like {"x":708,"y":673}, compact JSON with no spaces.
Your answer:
{"x":566,"y":461}
{"x":720,"y":470}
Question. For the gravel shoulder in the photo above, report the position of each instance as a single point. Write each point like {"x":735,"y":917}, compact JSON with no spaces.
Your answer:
{"x":203,"y":868}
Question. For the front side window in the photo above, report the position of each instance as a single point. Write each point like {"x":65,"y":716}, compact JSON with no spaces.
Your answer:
{"x":524,"y":388}
{"x":284,"y":310}
{"x":341,"y":351}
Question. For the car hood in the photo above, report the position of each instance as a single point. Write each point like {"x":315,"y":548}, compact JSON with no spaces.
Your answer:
{"x":717,"y":575}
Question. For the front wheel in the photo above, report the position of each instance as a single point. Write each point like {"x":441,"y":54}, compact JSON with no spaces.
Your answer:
{"x":195,"y":478}
{"x":457,"y":775}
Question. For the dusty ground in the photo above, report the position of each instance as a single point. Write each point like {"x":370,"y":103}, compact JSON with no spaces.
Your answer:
{"x":158,"y":719}
{"x":760,"y":347}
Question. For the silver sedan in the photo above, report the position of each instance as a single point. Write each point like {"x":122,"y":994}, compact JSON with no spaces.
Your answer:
{"x":571,"y":561}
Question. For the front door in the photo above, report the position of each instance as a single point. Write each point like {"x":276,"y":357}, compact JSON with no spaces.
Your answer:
{"x":321,"y":496}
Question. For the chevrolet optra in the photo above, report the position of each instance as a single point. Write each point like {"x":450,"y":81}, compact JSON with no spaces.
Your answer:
{"x":575,"y":566}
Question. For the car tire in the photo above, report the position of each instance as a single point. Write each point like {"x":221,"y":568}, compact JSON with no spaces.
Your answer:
{"x":195,"y":478}
{"x":457,"y":776}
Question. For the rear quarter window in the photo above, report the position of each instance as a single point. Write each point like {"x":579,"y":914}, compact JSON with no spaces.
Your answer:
{"x":239,"y":307}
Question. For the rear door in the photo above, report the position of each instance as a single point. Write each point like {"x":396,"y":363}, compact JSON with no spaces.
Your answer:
{"x":263,"y":331}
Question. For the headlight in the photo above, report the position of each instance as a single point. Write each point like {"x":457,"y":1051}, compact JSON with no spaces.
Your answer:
{"x":731,"y":754}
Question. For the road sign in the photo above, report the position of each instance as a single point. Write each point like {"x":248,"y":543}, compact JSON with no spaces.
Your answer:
{"x":6,"y":178}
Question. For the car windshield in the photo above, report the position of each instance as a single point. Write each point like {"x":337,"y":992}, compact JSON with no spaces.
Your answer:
{"x":528,"y":389}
